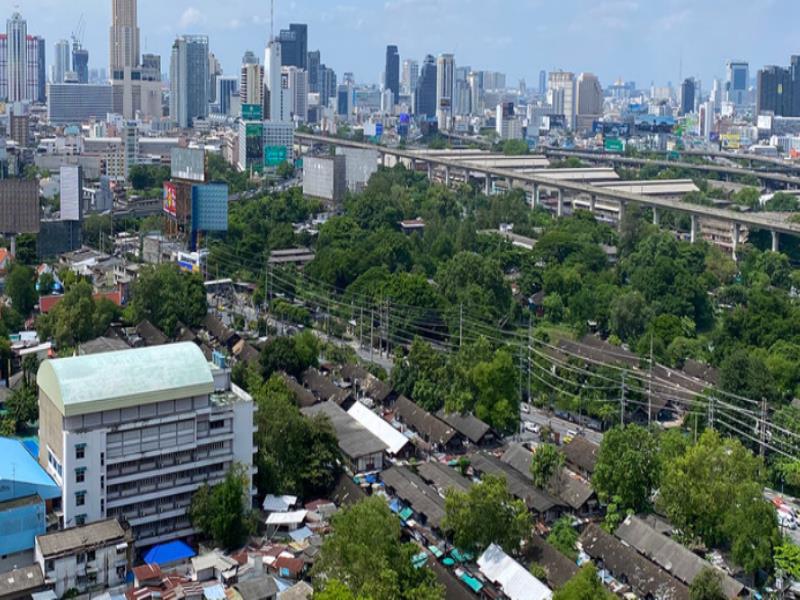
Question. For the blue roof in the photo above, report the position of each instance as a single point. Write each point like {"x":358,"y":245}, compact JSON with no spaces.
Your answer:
{"x":21,"y":475}
{"x":168,"y":553}
{"x":298,"y":535}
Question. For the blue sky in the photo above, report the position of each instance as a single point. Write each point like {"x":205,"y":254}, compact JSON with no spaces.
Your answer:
{"x":640,"y":40}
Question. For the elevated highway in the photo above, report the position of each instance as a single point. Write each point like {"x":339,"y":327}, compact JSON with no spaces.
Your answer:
{"x":773,"y":223}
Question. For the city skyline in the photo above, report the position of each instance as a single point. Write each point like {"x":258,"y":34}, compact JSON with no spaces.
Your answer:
{"x":674,"y":40}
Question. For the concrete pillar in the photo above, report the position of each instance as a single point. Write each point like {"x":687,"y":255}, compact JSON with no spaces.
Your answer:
{"x":536,"y":197}
{"x":775,"y":241}
{"x":693,"y":233}
{"x":13,"y":245}
{"x":509,"y":184}
{"x":560,"y":205}
{"x":592,"y":203}
{"x":430,"y":171}
{"x":413,"y":164}
{"x":447,"y":176}
{"x":621,"y":215}
{"x":488,"y":188}
{"x":656,"y":216}
{"x":735,"y":235}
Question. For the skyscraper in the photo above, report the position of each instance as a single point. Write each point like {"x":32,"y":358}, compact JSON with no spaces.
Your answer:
{"x":425,"y":94}
{"x":274,"y":85}
{"x":214,"y":71}
{"x":445,"y":80}
{"x":227,"y":87}
{"x":17,"y":58}
{"x":294,"y":46}
{"x":589,"y":101}
{"x":297,"y":92}
{"x":124,"y":46}
{"x":251,"y":83}
{"x":475,"y":83}
{"x":80,"y":62}
{"x":737,"y":81}
{"x":410,"y":74}
{"x":37,"y":70}
{"x":61,"y":62}
{"x":687,"y":96}
{"x":189,"y":80}
{"x":561,"y":95}
{"x":327,"y":84}
{"x":775,"y":91}
{"x":392,"y":71}
{"x":542,"y":82}
{"x":314,"y":61}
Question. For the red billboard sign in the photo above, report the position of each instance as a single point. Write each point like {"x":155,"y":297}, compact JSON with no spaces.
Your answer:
{"x":170,"y":199}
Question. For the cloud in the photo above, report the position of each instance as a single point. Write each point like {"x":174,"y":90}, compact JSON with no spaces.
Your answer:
{"x":191,"y":16}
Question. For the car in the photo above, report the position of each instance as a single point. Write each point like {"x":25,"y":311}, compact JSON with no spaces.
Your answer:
{"x":531,"y":427}
{"x":525,"y":407}
{"x":787,"y":521}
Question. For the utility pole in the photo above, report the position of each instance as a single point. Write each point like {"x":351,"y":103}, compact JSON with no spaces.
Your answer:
{"x":361,"y":327}
{"x":388,"y":328}
{"x":622,"y":402}
{"x":763,"y":426}
{"x":711,"y":400}
{"x":650,"y":386}
{"x":460,"y":325}
{"x":371,"y":330}
{"x":529,"y":358}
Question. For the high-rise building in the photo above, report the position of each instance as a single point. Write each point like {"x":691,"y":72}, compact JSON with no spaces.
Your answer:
{"x":61,"y":63}
{"x":124,"y":35}
{"x":17,"y":58}
{"x":214,"y":71}
{"x":36,"y":78}
{"x":344,"y":100}
{"x":151,"y":66}
{"x":775,"y":91}
{"x":80,"y":62}
{"x":327,"y":84}
{"x":275,"y":96}
{"x":392,"y":71}
{"x":589,"y":101}
{"x":297,"y":91}
{"x":445,"y":81}
{"x":561,"y":95}
{"x":189,"y":80}
{"x":251,"y":83}
{"x":737,"y":81}
{"x":294,"y":46}
{"x":542,"y":82}
{"x":425,"y":93}
{"x":227,"y":87}
{"x":68,"y":103}
{"x":687,"y":96}
{"x":3,"y":66}
{"x":475,"y":83}
{"x":409,"y":76}
{"x":314,"y":61}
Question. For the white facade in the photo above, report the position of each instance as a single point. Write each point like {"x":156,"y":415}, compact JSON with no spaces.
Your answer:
{"x":324,"y":177}
{"x":142,"y":461}
{"x":276,"y":84}
{"x":360,"y":165}
{"x":445,"y":81}
{"x":561,"y":95}
{"x":99,"y":560}
{"x":297,"y":91}
{"x":251,"y":89}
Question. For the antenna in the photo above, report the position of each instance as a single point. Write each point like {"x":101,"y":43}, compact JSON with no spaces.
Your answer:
{"x":271,"y":20}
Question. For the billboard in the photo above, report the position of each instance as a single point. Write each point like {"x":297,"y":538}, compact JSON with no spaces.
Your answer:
{"x":71,"y":190}
{"x":254,"y":145}
{"x":611,"y":128}
{"x":731,"y":141}
{"x":613,"y":145}
{"x":252,"y":112}
{"x":189,"y":164}
{"x":274,"y":155}
{"x":210,"y":207}
{"x":170,"y":199}
{"x":19,"y":206}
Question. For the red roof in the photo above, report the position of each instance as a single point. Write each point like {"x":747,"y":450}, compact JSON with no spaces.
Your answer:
{"x":48,"y":303}
{"x":147,"y":573}
{"x":294,"y":566}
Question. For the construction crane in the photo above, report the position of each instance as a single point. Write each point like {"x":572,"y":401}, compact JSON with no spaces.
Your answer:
{"x":78,"y":32}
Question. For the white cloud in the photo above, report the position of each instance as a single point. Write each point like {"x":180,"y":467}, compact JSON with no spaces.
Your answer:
{"x":191,"y":16}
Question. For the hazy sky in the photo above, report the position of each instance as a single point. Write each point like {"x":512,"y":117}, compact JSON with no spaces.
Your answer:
{"x":640,"y":40}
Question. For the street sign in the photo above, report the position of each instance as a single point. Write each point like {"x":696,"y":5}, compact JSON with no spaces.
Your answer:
{"x":614,"y":145}
{"x":274,"y":155}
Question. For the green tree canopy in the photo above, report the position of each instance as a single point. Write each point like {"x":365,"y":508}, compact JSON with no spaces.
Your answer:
{"x":707,"y":585}
{"x":365,"y":554}
{"x":564,"y":537}
{"x":78,"y":317}
{"x":222,"y":512}
{"x":484,"y":515}
{"x":627,"y":467}
{"x":292,"y":355}
{"x":546,"y":463}
{"x":584,"y":585}
{"x":21,"y":288}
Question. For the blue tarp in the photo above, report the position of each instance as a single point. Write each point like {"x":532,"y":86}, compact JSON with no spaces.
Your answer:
{"x":394,"y":505}
{"x":169,"y":553}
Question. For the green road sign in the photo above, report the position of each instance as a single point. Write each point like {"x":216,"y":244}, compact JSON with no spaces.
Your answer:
{"x":274,"y":155}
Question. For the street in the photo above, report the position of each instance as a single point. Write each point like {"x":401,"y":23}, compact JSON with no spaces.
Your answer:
{"x":560,"y":426}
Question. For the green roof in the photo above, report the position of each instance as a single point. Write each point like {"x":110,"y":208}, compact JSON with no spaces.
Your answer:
{"x":113,"y":380}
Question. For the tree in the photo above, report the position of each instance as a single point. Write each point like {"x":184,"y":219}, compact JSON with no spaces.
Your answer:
{"x":546,"y":463}
{"x":166,"y":296}
{"x":744,"y":373}
{"x":538,"y":571}
{"x":564,"y":537}
{"x":787,"y":558}
{"x":222,"y":512}
{"x":627,"y":467}
{"x":584,"y":585}
{"x":629,"y":315}
{"x":23,"y":406}
{"x":46,"y":283}
{"x":78,"y":317}
{"x":147,"y":177}
{"x":285,"y":170}
{"x":292,"y":355}
{"x":21,"y":288}
{"x":515,"y":147}
{"x":752,"y":528}
{"x":295,"y":455}
{"x":707,"y":585}
{"x":484,"y":515}
{"x":365,"y":554}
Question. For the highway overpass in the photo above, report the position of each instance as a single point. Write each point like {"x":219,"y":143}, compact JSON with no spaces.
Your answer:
{"x":770,"y":222}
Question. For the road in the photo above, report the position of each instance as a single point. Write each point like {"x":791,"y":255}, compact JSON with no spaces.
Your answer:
{"x":794,"y":534}
{"x":560,"y":426}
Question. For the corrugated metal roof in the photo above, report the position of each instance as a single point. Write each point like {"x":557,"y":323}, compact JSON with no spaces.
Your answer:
{"x":22,"y":475}
{"x":516,"y":581}
{"x":113,"y":380}
{"x":395,"y":440}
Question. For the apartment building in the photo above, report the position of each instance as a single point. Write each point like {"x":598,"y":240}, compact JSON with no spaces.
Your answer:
{"x":85,"y":558}
{"x":133,"y":434}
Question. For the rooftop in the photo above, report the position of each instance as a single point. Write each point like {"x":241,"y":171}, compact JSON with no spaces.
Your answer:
{"x":20,"y":581}
{"x":410,"y":488}
{"x":467,"y":425}
{"x":423,"y":422}
{"x":516,"y":580}
{"x":354,"y":439}
{"x":70,"y":541}
{"x":21,"y":475}
{"x":113,"y":380}
{"x":394,"y":440}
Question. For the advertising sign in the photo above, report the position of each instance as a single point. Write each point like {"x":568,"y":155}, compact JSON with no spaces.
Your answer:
{"x":378,"y":129}
{"x":170,"y":199}
{"x":71,"y":193}
{"x":189,"y":164}
{"x":252,"y":112}
{"x":274,"y":155}
{"x":613,"y":145}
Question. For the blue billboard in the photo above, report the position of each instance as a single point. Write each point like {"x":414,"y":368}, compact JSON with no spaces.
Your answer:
{"x":210,"y":207}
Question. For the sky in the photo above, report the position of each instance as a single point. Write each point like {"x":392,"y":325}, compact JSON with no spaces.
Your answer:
{"x":636,"y":40}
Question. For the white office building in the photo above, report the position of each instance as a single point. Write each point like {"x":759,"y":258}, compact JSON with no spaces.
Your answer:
{"x":445,"y":82}
{"x":134,"y":434}
{"x":561,"y":95}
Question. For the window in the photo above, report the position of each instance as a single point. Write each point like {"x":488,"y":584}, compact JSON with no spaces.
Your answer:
{"x":80,"y":451}
{"x":90,"y":555}
{"x":80,"y":520}
{"x":81,"y":558}
{"x":80,"y":498}
{"x":49,"y":565}
{"x":102,"y":459}
{"x":80,"y":475}
{"x":102,"y":481}
{"x":102,"y":505}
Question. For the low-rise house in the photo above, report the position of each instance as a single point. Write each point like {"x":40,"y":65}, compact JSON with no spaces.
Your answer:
{"x":645,"y":579}
{"x":273,"y":503}
{"x":397,"y":444}
{"x":443,"y":477}
{"x":670,"y":555}
{"x":303,"y":396}
{"x":21,"y":584}
{"x":299,"y":591}
{"x":325,"y":390}
{"x":558,"y":567}
{"x":433,"y":433}
{"x":361,"y":449}
{"x":214,"y":566}
{"x":285,"y":522}
{"x":425,"y":501}
{"x":469,"y":426}
{"x":260,"y":587}
{"x":366,"y":385}
{"x":515,"y":580}
{"x":581,"y":455}
{"x":85,"y":558}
